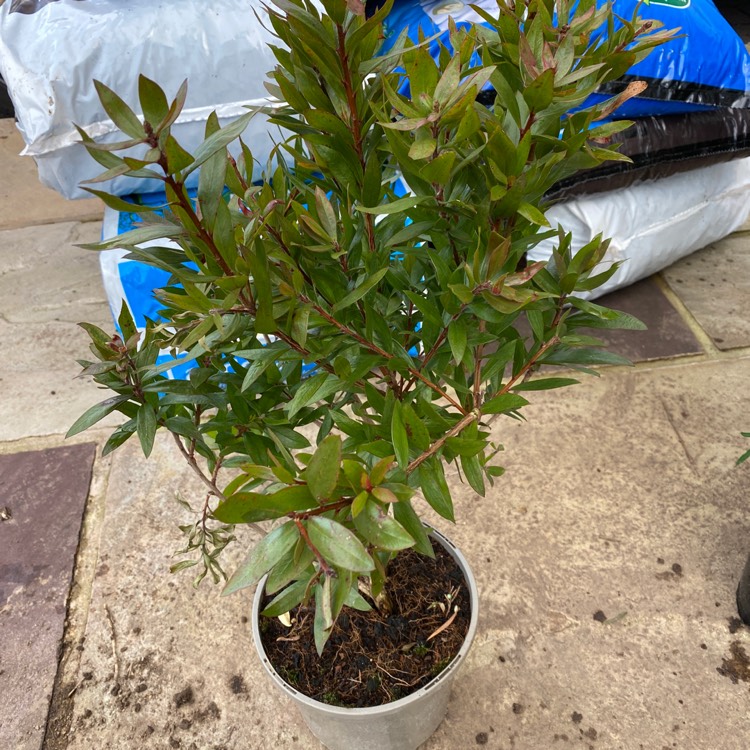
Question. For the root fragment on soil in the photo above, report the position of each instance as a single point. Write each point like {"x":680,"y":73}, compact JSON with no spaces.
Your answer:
{"x":445,"y":625}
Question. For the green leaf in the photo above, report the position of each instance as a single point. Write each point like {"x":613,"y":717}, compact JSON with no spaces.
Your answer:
{"x":325,"y":212}
{"x":533,"y":214}
{"x":369,"y":283}
{"x":449,"y":81}
{"x":95,"y":413}
{"x":402,"y":204}
{"x":153,"y":101}
{"x":412,"y":523}
{"x":341,"y":585}
{"x":423,"y":148}
{"x":177,"y":157}
{"x":359,"y":502}
{"x":585,"y":356}
{"x":355,"y":601}
{"x":119,"y":112}
{"x":338,"y":545}
{"x":257,"y":367}
{"x":306,"y":393}
{"x":431,"y":478}
{"x":266,"y":553}
{"x":137,"y":236}
{"x":322,"y":623}
{"x":439,"y":170}
{"x":211,"y":183}
{"x":472,"y":467}
{"x":381,"y":529}
{"x":399,"y":436}
{"x":503,"y":404}
{"x":381,"y":469}
{"x":264,"y":320}
{"x":545,"y":384}
{"x":119,"y":204}
{"x":291,"y":568}
{"x":218,"y":141}
{"x":540,"y":93}
{"x":457,"y":339}
{"x":300,"y":321}
{"x":288,"y":599}
{"x":119,"y":436}
{"x":146,"y":425}
{"x":176,"y":106}
{"x":251,"y":507}
{"x":322,"y":473}
{"x":126,"y":323}
{"x":605,"y":317}
{"x":466,"y":446}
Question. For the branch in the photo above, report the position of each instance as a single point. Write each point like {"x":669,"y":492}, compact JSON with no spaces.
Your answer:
{"x":377,"y":350}
{"x":356,"y":124}
{"x":302,"y":515}
{"x":478,"y":368}
{"x":472,"y":416}
{"x":324,"y":566}
{"x":213,"y":488}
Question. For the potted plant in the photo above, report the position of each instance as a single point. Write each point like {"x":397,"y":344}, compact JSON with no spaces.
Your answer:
{"x":349,"y":337}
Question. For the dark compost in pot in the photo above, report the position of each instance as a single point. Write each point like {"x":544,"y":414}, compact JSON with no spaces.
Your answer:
{"x":376,"y":657}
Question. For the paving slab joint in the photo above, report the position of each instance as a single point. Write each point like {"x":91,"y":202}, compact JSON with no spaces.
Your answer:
{"x":60,"y":713}
{"x":690,"y":320}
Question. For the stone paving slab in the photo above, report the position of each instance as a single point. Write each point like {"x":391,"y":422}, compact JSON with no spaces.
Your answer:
{"x":607,"y":559}
{"x":47,"y":286}
{"x":42,"y":499}
{"x":714,"y":284}
{"x":666,"y":335}
{"x":23,"y":199}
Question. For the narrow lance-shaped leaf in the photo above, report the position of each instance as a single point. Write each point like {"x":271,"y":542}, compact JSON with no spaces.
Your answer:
{"x":218,"y":141}
{"x":408,"y":518}
{"x":369,"y":283}
{"x":251,"y":507}
{"x":289,"y":598}
{"x":95,"y":413}
{"x":435,"y":489}
{"x":153,"y":101}
{"x":266,"y":553}
{"x":146,"y":425}
{"x":322,"y":623}
{"x":119,"y":112}
{"x":399,"y":436}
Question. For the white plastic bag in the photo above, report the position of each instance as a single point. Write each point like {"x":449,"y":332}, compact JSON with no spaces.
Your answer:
{"x":654,"y":224}
{"x":50,"y":52}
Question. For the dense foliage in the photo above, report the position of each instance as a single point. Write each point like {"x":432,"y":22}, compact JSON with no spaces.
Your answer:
{"x":395,"y":324}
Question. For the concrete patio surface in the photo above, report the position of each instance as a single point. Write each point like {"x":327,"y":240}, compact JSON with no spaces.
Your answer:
{"x":607,"y":557}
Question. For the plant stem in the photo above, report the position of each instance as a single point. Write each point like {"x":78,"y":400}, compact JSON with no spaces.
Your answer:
{"x":214,"y":489}
{"x":324,"y":566}
{"x":377,"y":350}
{"x":356,"y":125}
{"x":472,"y":416}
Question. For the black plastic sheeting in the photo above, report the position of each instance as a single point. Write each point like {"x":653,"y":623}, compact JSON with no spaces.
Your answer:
{"x":663,"y":146}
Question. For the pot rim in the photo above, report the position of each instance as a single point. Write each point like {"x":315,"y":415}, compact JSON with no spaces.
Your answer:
{"x":393,"y":706}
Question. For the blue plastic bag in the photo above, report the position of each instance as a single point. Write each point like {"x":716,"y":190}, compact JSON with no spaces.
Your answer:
{"x":706,"y":67}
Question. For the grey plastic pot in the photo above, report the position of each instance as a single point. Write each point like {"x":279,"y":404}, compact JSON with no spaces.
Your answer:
{"x":402,"y":725}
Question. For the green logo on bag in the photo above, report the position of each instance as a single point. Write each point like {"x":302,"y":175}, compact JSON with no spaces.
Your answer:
{"x":669,"y":3}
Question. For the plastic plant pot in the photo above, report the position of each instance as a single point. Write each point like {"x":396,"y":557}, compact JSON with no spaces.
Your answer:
{"x":403,"y":724}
